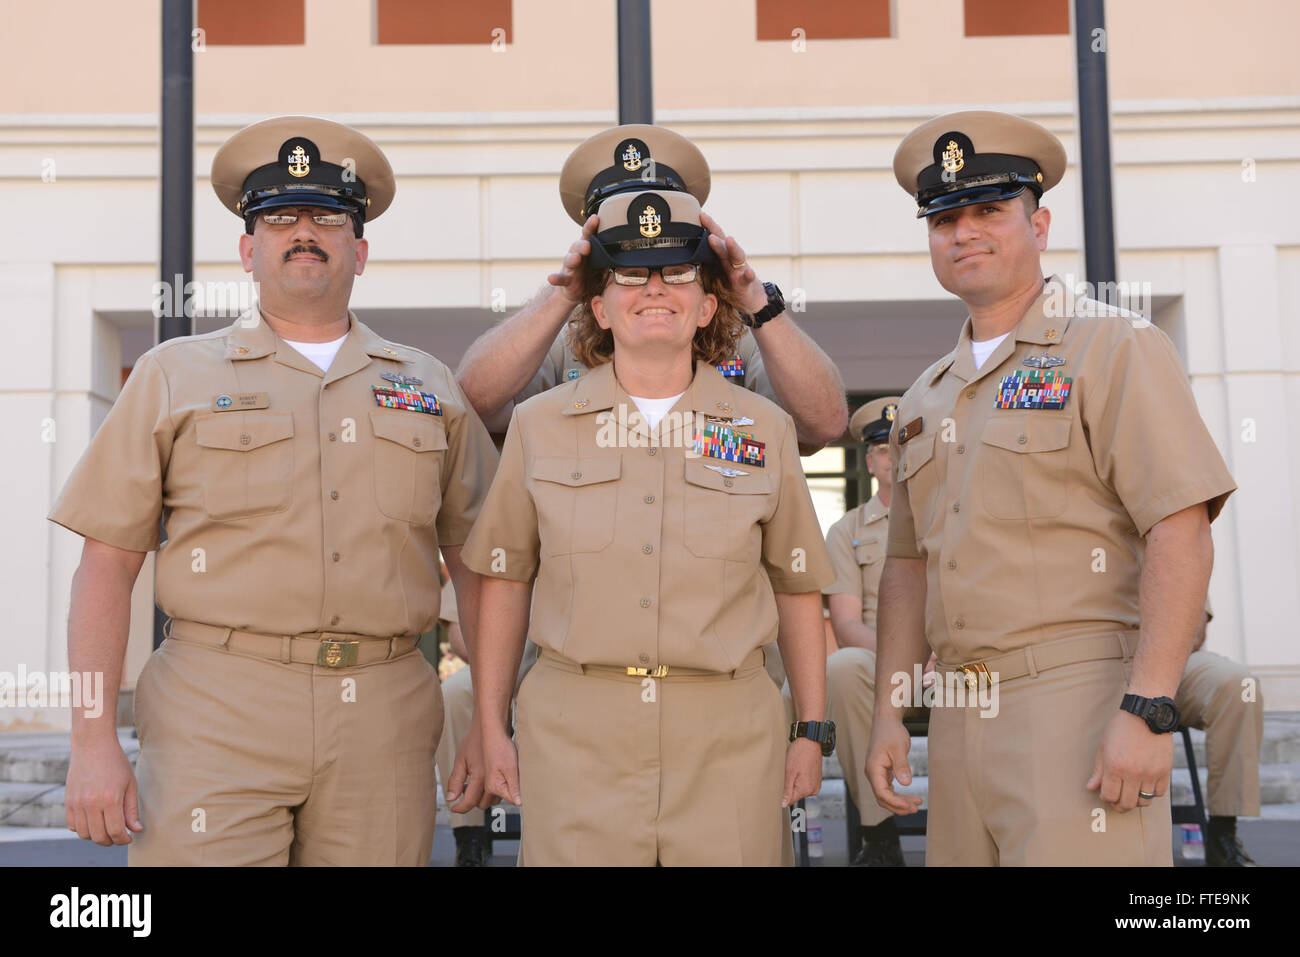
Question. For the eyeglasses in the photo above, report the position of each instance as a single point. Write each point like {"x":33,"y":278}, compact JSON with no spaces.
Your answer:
{"x":282,"y":218}
{"x":676,"y":275}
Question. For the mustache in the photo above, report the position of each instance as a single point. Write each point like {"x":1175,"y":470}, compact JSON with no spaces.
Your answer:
{"x":311,"y":250}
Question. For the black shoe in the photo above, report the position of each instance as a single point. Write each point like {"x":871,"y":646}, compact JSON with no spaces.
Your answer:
{"x":471,"y":846}
{"x":880,"y":846}
{"x":1223,"y":847}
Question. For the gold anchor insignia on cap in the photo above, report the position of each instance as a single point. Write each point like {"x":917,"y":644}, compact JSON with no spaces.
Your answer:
{"x":953,"y":160}
{"x":649,"y":220}
{"x":891,"y":411}
{"x":580,"y":403}
{"x":631,"y":158}
{"x":299,"y":162}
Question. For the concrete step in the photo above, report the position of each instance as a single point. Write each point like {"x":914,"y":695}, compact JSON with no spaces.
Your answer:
{"x":26,"y":804}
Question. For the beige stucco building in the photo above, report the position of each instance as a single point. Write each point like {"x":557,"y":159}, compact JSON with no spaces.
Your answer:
{"x":800,"y":134}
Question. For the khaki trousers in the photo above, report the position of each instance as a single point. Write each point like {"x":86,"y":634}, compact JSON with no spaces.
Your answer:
{"x":249,"y":761}
{"x":1010,"y":789}
{"x":625,"y":770}
{"x":1210,"y":698}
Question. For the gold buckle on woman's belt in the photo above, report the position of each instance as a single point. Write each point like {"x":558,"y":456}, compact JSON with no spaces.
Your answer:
{"x":337,"y":654}
{"x":659,"y":671}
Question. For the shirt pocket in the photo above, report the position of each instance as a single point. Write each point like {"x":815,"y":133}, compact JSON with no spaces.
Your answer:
{"x":409,"y":449}
{"x":1024,"y":466}
{"x":577,"y":502}
{"x":916,"y":470}
{"x":246,"y":463}
{"x":870,"y":550}
{"x":721,"y":514}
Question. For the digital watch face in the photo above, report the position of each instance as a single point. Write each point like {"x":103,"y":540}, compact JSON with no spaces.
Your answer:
{"x":1165,"y":716}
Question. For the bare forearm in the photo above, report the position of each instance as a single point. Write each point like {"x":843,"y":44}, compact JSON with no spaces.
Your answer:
{"x":846,"y":622}
{"x":467,"y":584}
{"x":99,"y":622}
{"x":503,"y":360}
{"x":1175,"y":576}
{"x":900,"y":628}
{"x":503,"y":620}
{"x":806,"y":382}
{"x":803,"y":652}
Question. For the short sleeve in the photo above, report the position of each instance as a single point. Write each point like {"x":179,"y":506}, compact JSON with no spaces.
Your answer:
{"x":848,"y":574}
{"x":115,"y":493}
{"x":467,"y":470}
{"x":902,"y":527}
{"x":505,"y":542}
{"x":756,"y":379}
{"x":1147,"y":438}
{"x":794,"y":552}
{"x":447,"y":604}
{"x":551,"y":372}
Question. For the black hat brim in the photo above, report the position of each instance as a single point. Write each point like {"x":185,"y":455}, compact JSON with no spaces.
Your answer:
{"x":605,"y":255}
{"x":988,"y":193}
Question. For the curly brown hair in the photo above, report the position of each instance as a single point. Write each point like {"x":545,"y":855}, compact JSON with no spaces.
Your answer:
{"x":713,"y":344}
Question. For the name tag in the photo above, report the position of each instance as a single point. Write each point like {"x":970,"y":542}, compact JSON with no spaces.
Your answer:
{"x":241,"y":401}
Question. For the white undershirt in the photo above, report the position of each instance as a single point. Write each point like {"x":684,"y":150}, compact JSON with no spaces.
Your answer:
{"x":655,"y":409}
{"x":982,"y":350}
{"x":321,"y":353}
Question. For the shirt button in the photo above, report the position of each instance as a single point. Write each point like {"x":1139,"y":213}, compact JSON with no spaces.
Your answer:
{"x":956,"y":506}
{"x":416,"y":443}
{"x":334,"y":495}
{"x":961,"y":450}
{"x":335,"y":556}
{"x":645,"y":602}
{"x":728,"y":483}
{"x":951,"y":563}
{"x":244,"y":439}
{"x":647,"y":549}
{"x":651,"y":451}
{"x":649,"y":499}
{"x":1023,"y":439}
{"x":644,"y":659}
{"x":334,"y":620}
{"x":970,"y":393}
{"x":575,"y":475}
{"x":333,"y":437}
{"x":959,"y":624}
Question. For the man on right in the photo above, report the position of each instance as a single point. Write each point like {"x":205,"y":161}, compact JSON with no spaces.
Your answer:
{"x":1212,"y":696}
{"x":1049,"y":533}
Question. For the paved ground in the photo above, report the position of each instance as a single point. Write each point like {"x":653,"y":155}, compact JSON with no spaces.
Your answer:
{"x":1271,"y":842}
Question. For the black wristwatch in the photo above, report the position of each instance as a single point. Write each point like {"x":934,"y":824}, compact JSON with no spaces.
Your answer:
{"x":775,"y":306}
{"x":1160,"y":714}
{"x":823,"y":732}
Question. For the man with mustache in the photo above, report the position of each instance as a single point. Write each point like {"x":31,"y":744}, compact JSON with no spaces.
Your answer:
{"x":307,"y":472}
{"x":1049,"y":530}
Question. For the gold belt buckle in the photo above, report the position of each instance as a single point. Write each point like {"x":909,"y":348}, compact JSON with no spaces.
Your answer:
{"x":337,"y":654}
{"x":659,"y":671}
{"x":972,"y":673}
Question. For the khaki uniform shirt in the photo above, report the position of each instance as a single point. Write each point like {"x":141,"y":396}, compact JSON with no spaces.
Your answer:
{"x":1031,"y":522}
{"x":561,"y":365}
{"x":293,"y":502}
{"x":648,"y":554}
{"x":857,"y":548}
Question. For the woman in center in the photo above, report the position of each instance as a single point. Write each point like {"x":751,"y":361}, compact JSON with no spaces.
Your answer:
{"x":650,"y":528}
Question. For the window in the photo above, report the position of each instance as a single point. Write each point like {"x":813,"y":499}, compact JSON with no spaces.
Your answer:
{"x":443,"y":21}
{"x":250,"y":22}
{"x":823,"y":20}
{"x":1009,"y":18}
